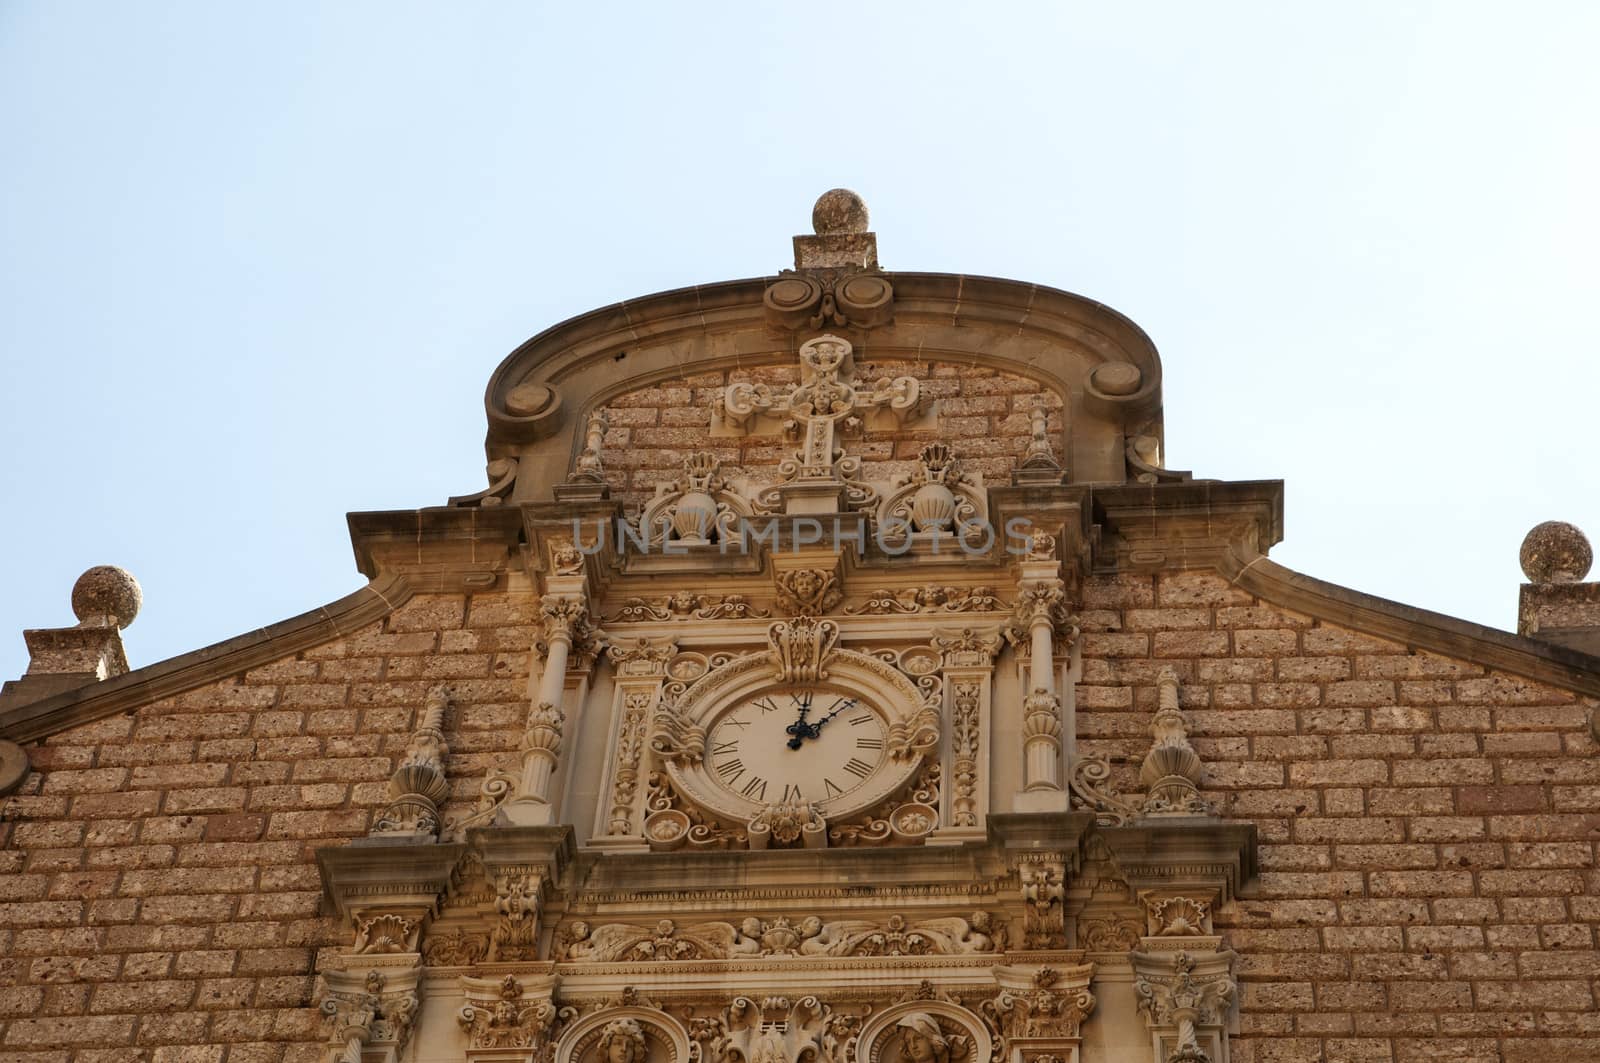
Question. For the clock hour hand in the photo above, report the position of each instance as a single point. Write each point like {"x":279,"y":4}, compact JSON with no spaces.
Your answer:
{"x":802,"y":730}
{"x":799,"y":731}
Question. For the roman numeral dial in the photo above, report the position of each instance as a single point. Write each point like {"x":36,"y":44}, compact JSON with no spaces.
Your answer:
{"x":812,"y":744}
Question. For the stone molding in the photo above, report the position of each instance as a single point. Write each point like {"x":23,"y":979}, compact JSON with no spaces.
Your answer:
{"x":177,"y":675}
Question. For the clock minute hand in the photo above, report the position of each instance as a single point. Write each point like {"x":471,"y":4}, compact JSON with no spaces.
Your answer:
{"x":816,"y":728}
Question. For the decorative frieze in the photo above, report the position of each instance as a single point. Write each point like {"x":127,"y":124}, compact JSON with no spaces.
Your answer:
{"x":929,"y":599}
{"x":686,"y":605}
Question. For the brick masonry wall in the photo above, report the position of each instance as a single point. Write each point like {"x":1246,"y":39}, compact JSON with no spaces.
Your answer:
{"x":1429,"y":887}
{"x":981,"y":413}
{"x":1429,"y":828}
{"x":158,"y":889}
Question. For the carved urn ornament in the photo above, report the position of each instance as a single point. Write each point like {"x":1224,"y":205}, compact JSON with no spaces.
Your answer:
{"x":933,"y":507}
{"x":697,"y":510}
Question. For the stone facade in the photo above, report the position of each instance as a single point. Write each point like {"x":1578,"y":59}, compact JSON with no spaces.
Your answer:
{"x":484,"y":809}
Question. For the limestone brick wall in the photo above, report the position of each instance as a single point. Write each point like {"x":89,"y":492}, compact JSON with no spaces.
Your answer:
{"x":1429,"y":828}
{"x":158,"y":889}
{"x":981,"y":413}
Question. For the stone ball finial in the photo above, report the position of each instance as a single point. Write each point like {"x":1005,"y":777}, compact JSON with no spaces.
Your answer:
{"x":839,"y":210}
{"x":105,"y":596}
{"x":1556,"y":552}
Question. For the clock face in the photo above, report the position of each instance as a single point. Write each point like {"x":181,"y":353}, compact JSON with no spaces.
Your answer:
{"x":800,"y":744}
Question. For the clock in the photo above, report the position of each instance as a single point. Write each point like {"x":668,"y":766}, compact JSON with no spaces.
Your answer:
{"x":806,"y":725}
{"x":797,"y":744}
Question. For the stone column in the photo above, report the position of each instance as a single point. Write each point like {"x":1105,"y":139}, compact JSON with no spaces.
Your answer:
{"x":1040,"y":604}
{"x":1183,"y":977}
{"x":564,"y":613}
{"x":368,"y":1013}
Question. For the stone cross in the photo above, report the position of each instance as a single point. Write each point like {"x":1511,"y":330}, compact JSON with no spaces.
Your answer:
{"x":825,"y":400}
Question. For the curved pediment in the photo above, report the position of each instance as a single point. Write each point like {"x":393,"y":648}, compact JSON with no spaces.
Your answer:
{"x":985,"y":350}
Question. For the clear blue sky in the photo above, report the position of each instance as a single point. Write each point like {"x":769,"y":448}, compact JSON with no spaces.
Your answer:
{"x":258,"y":262}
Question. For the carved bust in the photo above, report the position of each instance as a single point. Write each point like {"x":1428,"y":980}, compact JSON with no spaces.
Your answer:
{"x":622,"y":1042}
{"x":921,"y":1040}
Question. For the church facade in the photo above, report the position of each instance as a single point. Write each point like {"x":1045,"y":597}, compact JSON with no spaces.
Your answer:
{"x":832,"y":671}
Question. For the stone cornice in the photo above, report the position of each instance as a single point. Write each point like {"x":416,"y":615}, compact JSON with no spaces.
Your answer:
{"x":165,"y":679}
{"x":1545,"y":662}
{"x":733,"y":307}
{"x":786,"y":874}
{"x":358,"y":873}
{"x":438,"y":549}
{"x":1183,"y":850}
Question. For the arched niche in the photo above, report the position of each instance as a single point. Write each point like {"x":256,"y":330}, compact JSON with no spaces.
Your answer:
{"x":665,"y":1039}
{"x":884,"y":1038}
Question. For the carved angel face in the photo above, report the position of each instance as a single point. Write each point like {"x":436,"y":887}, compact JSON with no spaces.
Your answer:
{"x":623,"y":1042}
{"x":921,"y":1040}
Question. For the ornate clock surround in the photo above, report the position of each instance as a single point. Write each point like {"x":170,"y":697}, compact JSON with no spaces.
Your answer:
{"x":803,"y":652}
